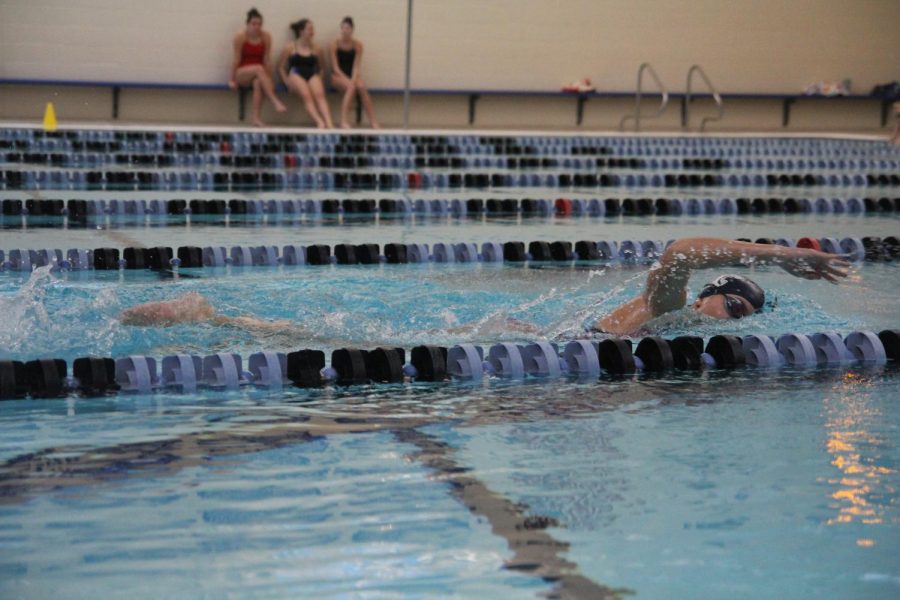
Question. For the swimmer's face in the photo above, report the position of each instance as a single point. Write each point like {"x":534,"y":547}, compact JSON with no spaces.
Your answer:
{"x":254,"y":26}
{"x":308,"y":31}
{"x":724,"y":306}
{"x":346,"y":30}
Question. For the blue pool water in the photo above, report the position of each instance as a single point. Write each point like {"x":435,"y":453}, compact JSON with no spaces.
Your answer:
{"x":670,"y":488}
{"x":76,"y":314}
{"x":742,"y":484}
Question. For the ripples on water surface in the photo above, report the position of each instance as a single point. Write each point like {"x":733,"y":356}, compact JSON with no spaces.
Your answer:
{"x":749,"y":484}
{"x":75,"y":314}
{"x":674,"y":487}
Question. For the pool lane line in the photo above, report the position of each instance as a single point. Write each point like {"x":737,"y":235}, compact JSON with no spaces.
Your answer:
{"x":115,"y":235}
{"x":27,"y":475}
{"x":535,"y":551}
{"x":61,"y":467}
{"x":139,"y":257}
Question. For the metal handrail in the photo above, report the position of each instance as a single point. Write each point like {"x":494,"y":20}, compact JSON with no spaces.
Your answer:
{"x":640,"y":92}
{"x":685,"y":107}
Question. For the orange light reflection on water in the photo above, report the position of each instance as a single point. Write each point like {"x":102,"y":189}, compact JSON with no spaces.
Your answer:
{"x":849,"y":413}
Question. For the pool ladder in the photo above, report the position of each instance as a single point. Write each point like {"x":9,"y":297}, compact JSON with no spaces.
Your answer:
{"x":688,"y":96}
{"x":639,"y":96}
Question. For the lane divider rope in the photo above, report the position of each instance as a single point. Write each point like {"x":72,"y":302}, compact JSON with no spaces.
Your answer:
{"x":869,"y":248}
{"x":562,"y":207}
{"x":306,"y":368}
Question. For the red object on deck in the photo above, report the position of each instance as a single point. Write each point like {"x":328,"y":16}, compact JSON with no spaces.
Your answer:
{"x":563,"y":206}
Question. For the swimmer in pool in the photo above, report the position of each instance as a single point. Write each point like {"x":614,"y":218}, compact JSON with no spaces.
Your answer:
{"x":729,"y":296}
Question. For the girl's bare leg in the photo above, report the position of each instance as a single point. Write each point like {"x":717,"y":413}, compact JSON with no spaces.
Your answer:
{"x":191,"y":307}
{"x":318,"y":90}
{"x":255,"y":75}
{"x":194,"y":308}
{"x":257,"y":103}
{"x":302,"y":88}
{"x":269,"y":88}
{"x":366,"y":100}
{"x":346,"y":86}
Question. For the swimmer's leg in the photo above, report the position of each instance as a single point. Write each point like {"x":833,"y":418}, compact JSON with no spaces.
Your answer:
{"x":191,"y":307}
{"x":194,"y":308}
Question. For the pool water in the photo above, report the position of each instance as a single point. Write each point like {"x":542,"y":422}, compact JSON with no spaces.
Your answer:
{"x":675,"y":487}
{"x":742,"y":484}
{"x":76,"y":314}
{"x":672,"y":486}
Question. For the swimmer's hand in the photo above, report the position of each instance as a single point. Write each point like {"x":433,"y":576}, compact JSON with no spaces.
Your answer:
{"x":232,"y":84}
{"x":812,"y":264}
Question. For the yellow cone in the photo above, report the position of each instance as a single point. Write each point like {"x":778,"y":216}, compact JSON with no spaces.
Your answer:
{"x":49,"y":118}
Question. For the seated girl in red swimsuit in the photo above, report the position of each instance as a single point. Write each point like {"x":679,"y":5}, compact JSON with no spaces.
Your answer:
{"x":251,"y":67}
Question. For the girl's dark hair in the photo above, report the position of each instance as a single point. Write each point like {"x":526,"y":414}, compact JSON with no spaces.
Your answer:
{"x":348,"y":21}
{"x":253,"y":14}
{"x":298,"y":26}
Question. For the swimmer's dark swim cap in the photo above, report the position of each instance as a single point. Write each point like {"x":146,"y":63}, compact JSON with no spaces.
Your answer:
{"x":737,"y":285}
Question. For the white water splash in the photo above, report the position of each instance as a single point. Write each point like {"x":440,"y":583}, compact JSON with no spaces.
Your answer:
{"x":573,"y":325}
{"x":31,"y":328}
{"x":24,"y":313}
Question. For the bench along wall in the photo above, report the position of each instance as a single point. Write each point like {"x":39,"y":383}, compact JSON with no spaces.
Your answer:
{"x":765,"y":46}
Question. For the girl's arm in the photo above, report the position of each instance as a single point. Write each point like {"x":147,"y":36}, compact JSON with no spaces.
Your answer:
{"x":357,"y":61}
{"x":317,"y":50}
{"x":267,"y":59}
{"x":237,"y":44}
{"x":335,"y":65}
{"x":282,"y":64}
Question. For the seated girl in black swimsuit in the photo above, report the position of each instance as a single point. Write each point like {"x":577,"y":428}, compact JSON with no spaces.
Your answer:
{"x":299,"y":67}
{"x":346,"y":62}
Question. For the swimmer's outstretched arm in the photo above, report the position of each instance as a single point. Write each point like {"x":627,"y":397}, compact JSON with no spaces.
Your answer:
{"x":666,"y":289}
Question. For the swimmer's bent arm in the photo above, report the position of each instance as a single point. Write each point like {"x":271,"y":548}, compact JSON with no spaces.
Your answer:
{"x":667,"y":281}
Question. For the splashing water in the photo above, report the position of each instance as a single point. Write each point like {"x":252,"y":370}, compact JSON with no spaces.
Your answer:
{"x":67,"y":315}
{"x":575,"y":324}
{"x":36,"y":323}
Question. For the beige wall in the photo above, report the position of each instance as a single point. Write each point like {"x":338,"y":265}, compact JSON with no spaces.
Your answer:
{"x":744,"y":45}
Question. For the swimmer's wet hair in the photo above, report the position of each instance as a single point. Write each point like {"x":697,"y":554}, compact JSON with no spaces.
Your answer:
{"x":253,"y":14}
{"x":348,"y":21}
{"x":298,"y":26}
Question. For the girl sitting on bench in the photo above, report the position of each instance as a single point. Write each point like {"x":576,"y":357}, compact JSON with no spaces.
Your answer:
{"x":251,"y":67}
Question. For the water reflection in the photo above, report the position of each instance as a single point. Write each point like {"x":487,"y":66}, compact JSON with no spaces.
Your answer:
{"x":864,"y":491}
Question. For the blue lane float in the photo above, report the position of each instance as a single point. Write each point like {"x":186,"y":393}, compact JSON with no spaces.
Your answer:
{"x":582,"y":359}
